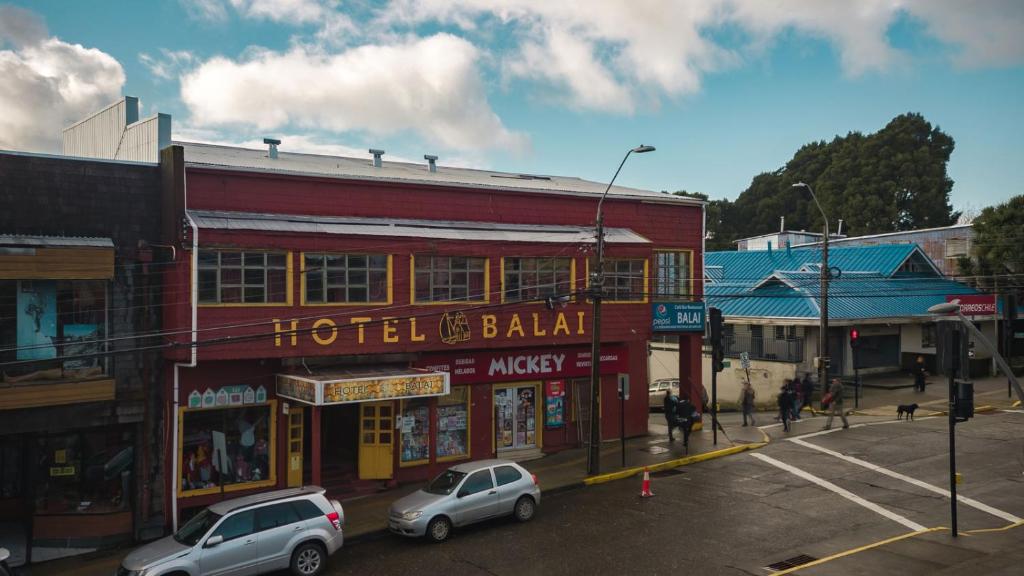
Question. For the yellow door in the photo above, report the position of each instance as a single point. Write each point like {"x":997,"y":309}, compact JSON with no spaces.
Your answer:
{"x":295,"y":418}
{"x":376,"y":435}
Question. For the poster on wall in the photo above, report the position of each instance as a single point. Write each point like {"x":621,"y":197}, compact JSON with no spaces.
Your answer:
{"x":554,"y":403}
{"x":37,"y":319}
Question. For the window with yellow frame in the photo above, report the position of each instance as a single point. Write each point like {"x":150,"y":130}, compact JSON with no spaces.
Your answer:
{"x":231,"y":448}
{"x":442,"y":279}
{"x":673,"y":278}
{"x":229,"y":277}
{"x":625,"y":280}
{"x":452,"y":442}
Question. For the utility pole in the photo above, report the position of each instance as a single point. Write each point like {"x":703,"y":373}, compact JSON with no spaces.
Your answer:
{"x":954,"y":365}
{"x":823,"y":357}
{"x":717,"y":365}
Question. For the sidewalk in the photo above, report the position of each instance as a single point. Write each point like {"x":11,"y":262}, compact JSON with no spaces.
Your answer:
{"x":366,"y":517}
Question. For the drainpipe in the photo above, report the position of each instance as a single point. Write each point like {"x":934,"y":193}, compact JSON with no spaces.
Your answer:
{"x":193,"y":299}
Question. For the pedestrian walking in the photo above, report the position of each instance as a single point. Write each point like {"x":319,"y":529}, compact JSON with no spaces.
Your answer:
{"x":785,"y":406}
{"x":835,"y":393}
{"x":807,"y":387}
{"x":669,"y":404}
{"x":920,"y":374}
{"x":747,"y":396}
{"x":794,"y":399}
{"x":686,"y":414}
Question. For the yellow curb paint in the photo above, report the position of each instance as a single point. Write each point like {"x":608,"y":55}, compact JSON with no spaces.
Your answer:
{"x":668,"y":464}
{"x":856,"y":550}
{"x":1004,"y":528}
{"x":1016,"y":404}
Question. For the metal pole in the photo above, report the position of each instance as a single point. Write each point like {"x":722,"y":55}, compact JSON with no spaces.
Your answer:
{"x":596,"y":288}
{"x":714,"y":406}
{"x":823,"y":323}
{"x":622,"y":419}
{"x":954,"y":362}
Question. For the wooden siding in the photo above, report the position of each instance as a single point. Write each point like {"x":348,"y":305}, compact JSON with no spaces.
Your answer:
{"x":58,"y":264}
{"x":36,"y":395}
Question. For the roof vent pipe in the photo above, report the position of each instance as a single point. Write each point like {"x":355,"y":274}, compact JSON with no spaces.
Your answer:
{"x":769,"y":247}
{"x":840,"y":231}
{"x":431,"y":162}
{"x":272,"y":152}
{"x":782,"y":224}
{"x":376,"y":157}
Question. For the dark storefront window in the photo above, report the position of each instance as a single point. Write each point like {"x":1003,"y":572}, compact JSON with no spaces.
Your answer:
{"x":536,"y":278}
{"x":236,"y":277}
{"x":346,"y":278}
{"x":450,"y":279}
{"x":59,"y":323}
{"x":83,"y":472}
{"x":231,"y":447}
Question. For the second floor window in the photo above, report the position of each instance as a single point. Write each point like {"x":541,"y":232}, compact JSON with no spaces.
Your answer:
{"x":537,"y":278}
{"x":343,"y":278}
{"x":672,"y":275}
{"x":624,"y":280}
{"x":450,"y":278}
{"x":242,"y":277}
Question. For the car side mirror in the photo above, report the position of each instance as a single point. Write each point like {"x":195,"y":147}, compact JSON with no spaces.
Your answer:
{"x":213,"y":541}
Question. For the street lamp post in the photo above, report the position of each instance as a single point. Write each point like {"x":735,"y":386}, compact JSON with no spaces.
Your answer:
{"x":823,"y":322}
{"x":596,"y":293}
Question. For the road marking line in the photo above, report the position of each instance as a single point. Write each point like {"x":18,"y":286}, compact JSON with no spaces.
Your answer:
{"x":920,"y":484}
{"x":841,"y":491}
{"x":856,"y":550}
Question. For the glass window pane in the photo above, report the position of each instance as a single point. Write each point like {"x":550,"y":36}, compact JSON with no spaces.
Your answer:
{"x":254,"y":276}
{"x":459,"y":293}
{"x":277,"y":286}
{"x":477,"y":482}
{"x":230,"y":258}
{"x":314,"y":287}
{"x":357,"y":294}
{"x":314,"y":262}
{"x":385,"y":437}
{"x":207,"y":285}
{"x":459,"y":262}
{"x":506,"y":475}
{"x":253,"y":259}
{"x":369,"y":437}
{"x":207,"y":258}
{"x":379,"y":261}
{"x":357,"y":277}
{"x":231,"y":276}
{"x":236,"y":525}
{"x":337,"y":295}
{"x":357,"y":261}
{"x":335,"y":260}
{"x":254,"y":294}
{"x":277,"y":260}
{"x":335,"y":276}
{"x":275,"y":515}
{"x":230,"y":295}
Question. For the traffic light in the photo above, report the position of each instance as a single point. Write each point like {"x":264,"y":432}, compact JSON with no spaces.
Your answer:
{"x":717,"y":344}
{"x":854,"y":338}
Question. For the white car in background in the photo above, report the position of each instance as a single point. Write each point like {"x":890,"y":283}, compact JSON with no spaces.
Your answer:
{"x":656,"y":391}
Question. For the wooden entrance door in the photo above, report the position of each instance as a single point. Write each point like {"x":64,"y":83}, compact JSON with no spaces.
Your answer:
{"x":376,"y":440}
{"x":295,"y":420}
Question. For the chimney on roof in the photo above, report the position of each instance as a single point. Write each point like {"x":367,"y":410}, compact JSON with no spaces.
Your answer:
{"x":782,"y":224}
{"x":840,"y":231}
{"x":376,"y":157}
{"x":272,"y":152}
{"x":431,"y":162}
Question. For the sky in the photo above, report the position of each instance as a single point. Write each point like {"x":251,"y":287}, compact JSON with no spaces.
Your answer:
{"x":725,"y":89}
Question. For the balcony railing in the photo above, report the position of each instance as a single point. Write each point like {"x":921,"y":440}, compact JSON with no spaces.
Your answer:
{"x":771,"y":349}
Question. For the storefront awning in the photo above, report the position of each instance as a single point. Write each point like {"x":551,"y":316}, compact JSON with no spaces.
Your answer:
{"x":345,"y":386}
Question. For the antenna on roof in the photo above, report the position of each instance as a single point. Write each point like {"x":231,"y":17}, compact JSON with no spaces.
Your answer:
{"x":272,"y":152}
{"x":376,"y":157}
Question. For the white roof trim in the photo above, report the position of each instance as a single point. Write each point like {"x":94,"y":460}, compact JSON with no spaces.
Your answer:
{"x":57,"y":241}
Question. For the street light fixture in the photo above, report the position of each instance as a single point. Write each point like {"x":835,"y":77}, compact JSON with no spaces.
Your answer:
{"x":823,"y":322}
{"x":596,"y":292}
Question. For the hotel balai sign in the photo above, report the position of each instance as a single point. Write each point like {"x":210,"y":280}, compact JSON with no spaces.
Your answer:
{"x":449,"y":327}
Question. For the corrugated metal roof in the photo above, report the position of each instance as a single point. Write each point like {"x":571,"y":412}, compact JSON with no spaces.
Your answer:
{"x":58,"y":241}
{"x":750,"y":267}
{"x":437,"y":229}
{"x":233,"y":158}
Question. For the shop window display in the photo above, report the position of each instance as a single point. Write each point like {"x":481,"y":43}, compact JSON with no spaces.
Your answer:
{"x":415,"y":430}
{"x":453,"y":424}
{"x":81,"y":473}
{"x":223,"y":447}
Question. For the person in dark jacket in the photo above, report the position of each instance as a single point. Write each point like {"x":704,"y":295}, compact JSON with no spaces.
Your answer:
{"x":920,"y":374}
{"x":793,"y":386}
{"x":807,"y":387}
{"x":785,"y":401}
{"x":670,"y":403}
{"x":686,"y":414}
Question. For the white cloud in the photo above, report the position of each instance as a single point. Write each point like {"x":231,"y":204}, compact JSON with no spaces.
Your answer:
{"x":48,"y":83}
{"x":429,"y":86}
{"x":984,"y":33}
{"x":211,"y":10}
{"x":170,"y":64}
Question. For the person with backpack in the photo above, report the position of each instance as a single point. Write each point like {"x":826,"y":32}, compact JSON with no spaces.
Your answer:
{"x":785,"y":401}
{"x":686,"y":414}
{"x":747,"y":396}
{"x":670,"y":403}
{"x":835,"y":402}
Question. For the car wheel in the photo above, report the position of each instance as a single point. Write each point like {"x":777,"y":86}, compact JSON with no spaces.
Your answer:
{"x":308,"y":560}
{"x":439,"y":529}
{"x":525,"y":508}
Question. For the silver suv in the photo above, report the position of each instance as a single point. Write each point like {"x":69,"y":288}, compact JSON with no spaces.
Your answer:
{"x":296,"y":528}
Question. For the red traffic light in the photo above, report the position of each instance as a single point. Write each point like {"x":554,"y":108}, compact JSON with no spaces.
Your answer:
{"x":854,"y":334}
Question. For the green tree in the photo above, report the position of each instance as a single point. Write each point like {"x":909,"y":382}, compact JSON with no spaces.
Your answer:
{"x":894,"y":179}
{"x":997,"y":259}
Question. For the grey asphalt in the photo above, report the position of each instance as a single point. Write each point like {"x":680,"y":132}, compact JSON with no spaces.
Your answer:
{"x":736,"y":515}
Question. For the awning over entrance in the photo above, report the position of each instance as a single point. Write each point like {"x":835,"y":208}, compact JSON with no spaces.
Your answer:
{"x":344,"y":386}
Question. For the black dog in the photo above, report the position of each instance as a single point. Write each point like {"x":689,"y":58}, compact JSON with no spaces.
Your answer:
{"x":907,"y":409}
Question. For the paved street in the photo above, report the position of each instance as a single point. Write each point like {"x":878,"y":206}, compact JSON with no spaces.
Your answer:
{"x":738,"y":514}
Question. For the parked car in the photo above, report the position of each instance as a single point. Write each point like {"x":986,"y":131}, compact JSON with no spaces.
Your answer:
{"x":656,"y":391}
{"x":463,"y":495}
{"x":5,"y":570}
{"x":293,"y":529}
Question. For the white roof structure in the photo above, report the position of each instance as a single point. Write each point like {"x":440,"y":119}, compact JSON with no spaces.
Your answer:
{"x":244,"y":159}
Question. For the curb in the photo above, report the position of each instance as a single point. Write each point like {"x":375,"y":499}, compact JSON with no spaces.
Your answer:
{"x":602,"y":478}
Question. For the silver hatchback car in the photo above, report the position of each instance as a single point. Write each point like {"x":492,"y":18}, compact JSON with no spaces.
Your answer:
{"x":296,"y":528}
{"x":466,"y":494}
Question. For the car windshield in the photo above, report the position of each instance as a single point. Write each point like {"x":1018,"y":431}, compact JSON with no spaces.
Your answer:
{"x":196,"y":528}
{"x":445,"y":482}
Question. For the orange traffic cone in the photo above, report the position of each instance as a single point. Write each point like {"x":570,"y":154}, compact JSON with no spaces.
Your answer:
{"x":645,"y":488}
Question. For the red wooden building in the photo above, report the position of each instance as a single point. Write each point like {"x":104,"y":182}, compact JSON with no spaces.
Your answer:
{"x":359,"y":322}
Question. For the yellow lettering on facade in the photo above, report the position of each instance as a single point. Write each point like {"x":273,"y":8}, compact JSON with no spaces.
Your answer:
{"x":390,"y":332}
{"x":515,"y":325}
{"x":293,"y":332}
{"x":560,"y":324}
{"x":413,"y":336}
{"x":316,"y":332}
{"x":579,"y":324}
{"x":536,"y":326}
{"x":489,"y":325}
{"x":360,"y":320}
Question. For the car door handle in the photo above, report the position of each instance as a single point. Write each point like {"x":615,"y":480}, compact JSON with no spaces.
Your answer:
{"x":247,"y":542}
{"x":297,"y":528}
{"x":492,"y":492}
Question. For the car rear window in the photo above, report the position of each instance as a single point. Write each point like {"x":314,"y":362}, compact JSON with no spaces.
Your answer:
{"x":276,"y":515}
{"x":506,"y":475}
{"x":307,"y":510}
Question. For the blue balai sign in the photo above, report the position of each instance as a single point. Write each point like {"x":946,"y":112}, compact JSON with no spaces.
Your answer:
{"x":678,"y":316}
